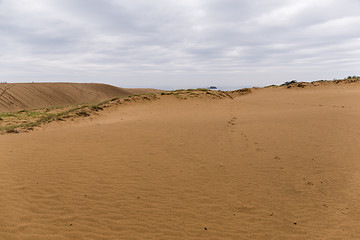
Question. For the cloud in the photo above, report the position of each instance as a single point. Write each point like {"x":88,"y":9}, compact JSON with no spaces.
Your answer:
{"x":178,"y":43}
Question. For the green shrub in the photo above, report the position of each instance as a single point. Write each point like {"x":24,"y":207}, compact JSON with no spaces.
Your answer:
{"x":289,"y":83}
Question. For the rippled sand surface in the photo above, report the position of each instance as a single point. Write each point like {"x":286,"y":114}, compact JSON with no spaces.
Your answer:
{"x":274,"y":164}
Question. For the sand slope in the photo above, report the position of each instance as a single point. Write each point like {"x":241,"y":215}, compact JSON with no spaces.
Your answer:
{"x":19,"y":96}
{"x":275,"y":164}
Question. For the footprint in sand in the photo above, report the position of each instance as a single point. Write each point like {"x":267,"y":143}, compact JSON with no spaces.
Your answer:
{"x":232,"y":121}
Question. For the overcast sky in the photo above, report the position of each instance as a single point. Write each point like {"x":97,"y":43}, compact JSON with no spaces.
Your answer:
{"x":179,"y":43}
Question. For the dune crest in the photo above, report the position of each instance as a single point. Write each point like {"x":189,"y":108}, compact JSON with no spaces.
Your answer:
{"x":19,"y":96}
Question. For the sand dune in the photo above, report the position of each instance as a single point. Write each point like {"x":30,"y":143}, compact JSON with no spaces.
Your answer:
{"x":278,"y":163}
{"x":19,"y":96}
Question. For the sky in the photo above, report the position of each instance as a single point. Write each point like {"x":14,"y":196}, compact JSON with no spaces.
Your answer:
{"x":172,"y":44}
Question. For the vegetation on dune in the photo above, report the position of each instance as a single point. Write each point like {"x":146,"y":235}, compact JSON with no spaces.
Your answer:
{"x":288,"y":83}
{"x":242,"y":91}
{"x":202,"y":92}
{"x":294,"y":83}
{"x":26,"y":120}
{"x":270,"y":86}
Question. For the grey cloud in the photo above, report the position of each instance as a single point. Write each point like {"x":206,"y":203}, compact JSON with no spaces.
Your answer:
{"x":176,"y":43}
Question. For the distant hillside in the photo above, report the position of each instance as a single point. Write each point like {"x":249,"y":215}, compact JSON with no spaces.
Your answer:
{"x":19,"y":96}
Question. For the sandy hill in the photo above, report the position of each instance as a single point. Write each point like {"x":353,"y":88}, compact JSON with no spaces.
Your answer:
{"x":278,"y":163}
{"x":18,"y":96}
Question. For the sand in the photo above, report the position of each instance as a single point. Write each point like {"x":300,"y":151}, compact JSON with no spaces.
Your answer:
{"x":20,"y":96}
{"x":274,"y":164}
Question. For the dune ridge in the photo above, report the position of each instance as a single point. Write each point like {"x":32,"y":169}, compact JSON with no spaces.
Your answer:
{"x":20,"y":96}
